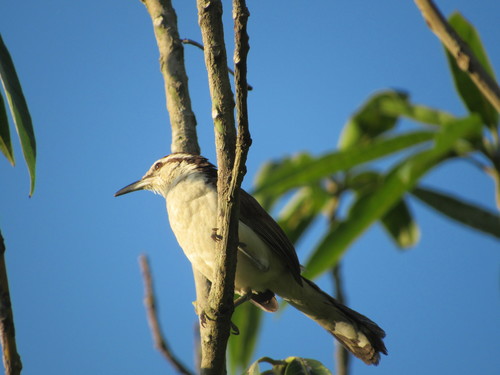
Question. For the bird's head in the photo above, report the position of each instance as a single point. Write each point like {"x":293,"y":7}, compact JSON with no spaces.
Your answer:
{"x":166,"y":172}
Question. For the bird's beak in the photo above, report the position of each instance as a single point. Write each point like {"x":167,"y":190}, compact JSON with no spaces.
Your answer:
{"x":134,"y":186}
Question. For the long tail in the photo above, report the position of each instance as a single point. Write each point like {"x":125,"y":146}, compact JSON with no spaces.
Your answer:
{"x":361,"y":336}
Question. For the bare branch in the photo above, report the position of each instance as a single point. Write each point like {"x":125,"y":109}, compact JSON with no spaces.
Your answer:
{"x":150,"y":304}
{"x":241,"y":48}
{"x":11,"y":359}
{"x":200,"y":46}
{"x":342,"y":356}
{"x":231,"y":162}
{"x":182,"y":118}
{"x":460,"y":51}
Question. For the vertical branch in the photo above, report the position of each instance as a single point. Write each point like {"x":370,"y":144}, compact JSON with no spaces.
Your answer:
{"x":460,"y":51}
{"x":182,"y":118}
{"x":11,"y":360}
{"x":241,"y":48}
{"x":231,"y":156}
{"x":342,"y":356}
{"x":215,"y":331}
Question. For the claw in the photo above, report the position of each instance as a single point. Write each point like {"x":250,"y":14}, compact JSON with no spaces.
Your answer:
{"x":215,"y":236}
{"x":234,"y":329}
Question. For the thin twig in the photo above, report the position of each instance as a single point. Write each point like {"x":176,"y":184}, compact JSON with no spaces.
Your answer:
{"x":241,"y":49}
{"x":200,"y":46}
{"x":151,"y":310}
{"x":11,"y":359}
{"x":460,"y":51}
{"x":342,"y":355}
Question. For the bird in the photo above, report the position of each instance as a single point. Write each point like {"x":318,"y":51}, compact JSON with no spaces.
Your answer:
{"x":267,"y":264}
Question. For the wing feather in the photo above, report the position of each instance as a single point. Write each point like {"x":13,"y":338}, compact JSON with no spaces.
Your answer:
{"x":253,"y":215}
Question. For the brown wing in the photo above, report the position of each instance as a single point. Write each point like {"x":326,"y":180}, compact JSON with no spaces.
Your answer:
{"x":269,"y":231}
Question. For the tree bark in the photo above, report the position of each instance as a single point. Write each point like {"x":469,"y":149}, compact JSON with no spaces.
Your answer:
{"x":11,"y":360}
{"x":182,"y":118}
{"x":215,"y":332}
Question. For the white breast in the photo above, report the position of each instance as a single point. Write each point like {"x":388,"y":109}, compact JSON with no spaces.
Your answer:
{"x":192,"y":212}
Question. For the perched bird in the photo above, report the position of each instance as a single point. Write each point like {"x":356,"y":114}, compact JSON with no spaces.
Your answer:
{"x":266,"y":262}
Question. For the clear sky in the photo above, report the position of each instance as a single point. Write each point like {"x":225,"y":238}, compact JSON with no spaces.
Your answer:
{"x":91,"y":77}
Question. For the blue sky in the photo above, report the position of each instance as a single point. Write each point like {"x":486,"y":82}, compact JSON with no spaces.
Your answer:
{"x":91,"y":77}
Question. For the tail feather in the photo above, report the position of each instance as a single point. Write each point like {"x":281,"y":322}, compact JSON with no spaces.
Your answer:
{"x":361,"y":336}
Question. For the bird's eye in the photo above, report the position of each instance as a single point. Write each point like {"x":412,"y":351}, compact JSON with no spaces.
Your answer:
{"x":158,"y":165}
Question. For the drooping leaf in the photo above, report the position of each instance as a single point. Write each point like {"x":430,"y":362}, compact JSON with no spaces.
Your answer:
{"x":472,"y":97}
{"x":19,"y":110}
{"x":401,"y":226}
{"x":301,"y":211}
{"x":362,"y":181}
{"x":269,"y":169}
{"x":460,"y":210}
{"x":374,"y":206}
{"x":381,"y":113}
{"x":418,"y":113}
{"x":241,"y":347}
{"x":5,"y":143}
{"x":398,"y":221}
{"x":371,"y":120}
{"x":295,"y":172}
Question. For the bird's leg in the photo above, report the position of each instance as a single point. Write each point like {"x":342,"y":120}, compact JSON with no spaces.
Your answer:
{"x":247,"y":296}
{"x":240,"y":300}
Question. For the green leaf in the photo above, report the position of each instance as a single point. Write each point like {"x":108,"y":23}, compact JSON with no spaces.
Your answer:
{"x":459,"y":210}
{"x":248,"y":319}
{"x":295,"y":172}
{"x":473,"y":99}
{"x":267,"y":172}
{"x":302,"y":210}
{"x":305,"y":366}
{"x":374,"y":206}
{"x":362,"y":181}
{"x":278,"y":366}
{"x":419,"y":113}
{"x":401,"y":226}
{"x":290,"y":366}
{"x":381,"y":113}
{"x":398,"y":221}
{"x":19,"y":110}
{"x":5,"y":143}
{"x":371,"y":120}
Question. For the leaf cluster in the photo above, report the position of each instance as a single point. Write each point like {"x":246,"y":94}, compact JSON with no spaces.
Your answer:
{"x":385,"y":149}
{"x":20,"y":114}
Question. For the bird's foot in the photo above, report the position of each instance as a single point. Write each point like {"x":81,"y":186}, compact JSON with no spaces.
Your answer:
{"x":242,"y":299}
{"x":234,"y":329}
{"x":215,"y":236}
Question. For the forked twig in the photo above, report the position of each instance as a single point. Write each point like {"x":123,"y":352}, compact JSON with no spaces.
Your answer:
{"x":200,"y":46}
